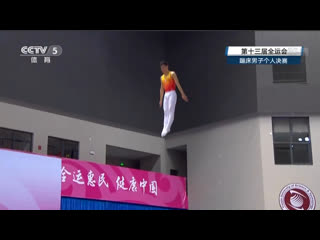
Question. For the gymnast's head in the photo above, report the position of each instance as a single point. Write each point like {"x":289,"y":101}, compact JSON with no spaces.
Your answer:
{"x":164,"y":67}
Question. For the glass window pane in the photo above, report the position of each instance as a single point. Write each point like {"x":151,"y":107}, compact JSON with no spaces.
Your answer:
{"x":5,"y":138}
{"x":290,"y":73}
{"x":54,"y":147}
{"x":281,"y":129}
{"x":300,"y":130}
{"x":282,"y":153}
{"x":22,"y":146}
{"x":5,"y":133}
{"x":22,"y":136}
{"x":22,"y":141}
{"x":63,"y":148}
{"x":5,"y":143}
{"x":71,"y":149}
{"x":301,"y":154}
{"x":13,"y":139}
{"x":27,"y":147}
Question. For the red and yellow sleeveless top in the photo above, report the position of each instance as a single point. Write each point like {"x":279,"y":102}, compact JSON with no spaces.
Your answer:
{"x":168,"y":82}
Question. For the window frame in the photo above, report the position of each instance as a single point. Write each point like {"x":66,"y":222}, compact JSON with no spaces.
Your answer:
{"x":62,"y":142}
{"x":12,"y":139}
{"x":298,"y":81}
{"x":291,"y":143}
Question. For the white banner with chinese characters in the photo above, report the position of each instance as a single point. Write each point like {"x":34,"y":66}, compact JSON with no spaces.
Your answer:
{"x":264,"y":51}
{"x":264,"y":54}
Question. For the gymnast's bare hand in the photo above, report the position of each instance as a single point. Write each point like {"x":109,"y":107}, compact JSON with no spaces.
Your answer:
{"x":160,"y":103}
{"x":185,"y":98}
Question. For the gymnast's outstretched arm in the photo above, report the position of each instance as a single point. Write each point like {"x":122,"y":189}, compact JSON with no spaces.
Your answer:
{"x":183,"y":95}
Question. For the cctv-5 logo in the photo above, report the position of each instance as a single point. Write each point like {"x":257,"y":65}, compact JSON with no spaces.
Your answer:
{"x":54,"y":50}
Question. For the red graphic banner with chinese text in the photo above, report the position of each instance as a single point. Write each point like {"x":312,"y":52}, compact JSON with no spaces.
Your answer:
{"x":81,"y":179}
